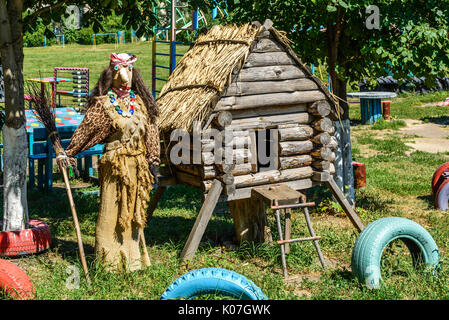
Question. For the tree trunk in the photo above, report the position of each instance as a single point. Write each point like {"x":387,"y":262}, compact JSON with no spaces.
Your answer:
{"x":15,"y":210}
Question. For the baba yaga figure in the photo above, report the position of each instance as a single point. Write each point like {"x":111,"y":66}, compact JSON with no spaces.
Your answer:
{"x":121,"y":113}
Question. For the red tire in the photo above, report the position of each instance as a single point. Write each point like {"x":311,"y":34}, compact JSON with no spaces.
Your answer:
{"x":27,"y":241}
{"x":15,"y":282}
{"x":442,"y":196}
{"x":437,"y":179}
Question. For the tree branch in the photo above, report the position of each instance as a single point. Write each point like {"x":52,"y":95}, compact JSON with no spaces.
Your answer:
{"x":45,"y":9}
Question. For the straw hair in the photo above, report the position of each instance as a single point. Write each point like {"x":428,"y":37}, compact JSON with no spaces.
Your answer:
{"x":202,"y":74}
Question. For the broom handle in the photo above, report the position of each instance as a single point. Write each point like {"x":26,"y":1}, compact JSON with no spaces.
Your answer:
{"x":75,"y":220}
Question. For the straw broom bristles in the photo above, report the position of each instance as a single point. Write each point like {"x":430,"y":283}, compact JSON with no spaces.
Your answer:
{"x":208,"y":64}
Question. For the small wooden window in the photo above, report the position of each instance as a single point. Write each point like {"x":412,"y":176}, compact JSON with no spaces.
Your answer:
{"x":267,"y":150}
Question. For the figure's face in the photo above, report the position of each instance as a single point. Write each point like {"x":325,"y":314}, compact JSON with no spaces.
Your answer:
{"x":122,"y":76}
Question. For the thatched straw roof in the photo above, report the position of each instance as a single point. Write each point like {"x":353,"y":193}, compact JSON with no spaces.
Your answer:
{"x":205,"y":71}
{"x":201,"y":74}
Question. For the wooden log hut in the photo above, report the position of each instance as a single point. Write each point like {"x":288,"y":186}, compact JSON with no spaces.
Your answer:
{"x":255,"y":116}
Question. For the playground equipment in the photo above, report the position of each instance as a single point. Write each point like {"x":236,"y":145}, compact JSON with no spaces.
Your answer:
{"x":121,"y":37}
{"x":76,"y":89}
{"x":213,"y":281}
{"x":95,"y":35}
{"x":373,"y":240}
{"x":174,"y":20}
{"x":60,"y":39}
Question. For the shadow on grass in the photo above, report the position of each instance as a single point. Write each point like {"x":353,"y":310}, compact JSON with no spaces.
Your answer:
{"x":429,"y":199}
{"x":441,"y":120}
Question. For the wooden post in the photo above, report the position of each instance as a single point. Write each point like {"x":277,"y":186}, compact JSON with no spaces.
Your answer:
{"x":154,"y":201}
{"x":201,"y":221}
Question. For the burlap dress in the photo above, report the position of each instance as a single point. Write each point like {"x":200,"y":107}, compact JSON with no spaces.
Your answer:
{"x":131,"y":144}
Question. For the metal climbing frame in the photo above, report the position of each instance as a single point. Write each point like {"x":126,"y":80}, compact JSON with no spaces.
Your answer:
{"x":172,"y":30}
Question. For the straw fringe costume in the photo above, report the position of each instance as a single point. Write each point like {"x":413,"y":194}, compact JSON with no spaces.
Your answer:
{"x":131,"y":144}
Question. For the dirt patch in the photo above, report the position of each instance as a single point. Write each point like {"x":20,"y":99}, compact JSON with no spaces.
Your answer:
{"x":429,"y":137}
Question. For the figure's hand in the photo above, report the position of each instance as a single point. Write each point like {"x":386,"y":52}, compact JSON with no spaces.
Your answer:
{"x":73,"y":168}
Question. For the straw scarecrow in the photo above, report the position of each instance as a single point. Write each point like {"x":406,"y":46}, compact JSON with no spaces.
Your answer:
{"x":121,"y":113}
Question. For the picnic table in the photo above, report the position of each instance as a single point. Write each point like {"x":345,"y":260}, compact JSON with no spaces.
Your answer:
{"x":370,"y":104}
{"x":40,"y":148}
{"x":51,"y":81}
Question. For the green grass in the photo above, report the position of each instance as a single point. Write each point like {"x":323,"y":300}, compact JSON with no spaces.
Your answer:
{"x":398,"y":184}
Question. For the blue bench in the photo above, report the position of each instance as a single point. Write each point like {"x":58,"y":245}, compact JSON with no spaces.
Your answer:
{"x":41,"y":150}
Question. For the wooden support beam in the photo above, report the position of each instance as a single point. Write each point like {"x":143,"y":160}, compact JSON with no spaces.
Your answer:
{"x":154,"y":201}
{"x":202,"y":221}
{"x":350,"y":212}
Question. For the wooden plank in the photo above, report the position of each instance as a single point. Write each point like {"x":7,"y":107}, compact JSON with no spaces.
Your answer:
{"x":243,"y":193}
{"x":261,"y":87}
{"x":272,"y":176}
{"x":276,"y":195}
{"x":269,"y":121}
{"x":154,"y":201}
{"x":265,"y":59}
{"x":268,"y":99}
{"x":269,"y":73}
{"x":320,"y":108}
{"x":201,"y":221}
{"x":267,"y":45}
{"x":268,"y":111}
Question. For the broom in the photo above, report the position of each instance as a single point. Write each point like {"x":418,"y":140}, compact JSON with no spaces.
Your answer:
{"x":41,"y":100}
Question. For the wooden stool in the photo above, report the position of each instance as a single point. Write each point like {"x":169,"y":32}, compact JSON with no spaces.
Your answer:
{"x":285,"y":198}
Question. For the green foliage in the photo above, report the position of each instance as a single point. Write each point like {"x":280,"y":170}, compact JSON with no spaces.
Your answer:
{"x":412,"y":35}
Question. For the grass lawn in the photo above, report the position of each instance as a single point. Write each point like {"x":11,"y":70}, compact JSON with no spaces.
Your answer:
{"x":398,"y":184}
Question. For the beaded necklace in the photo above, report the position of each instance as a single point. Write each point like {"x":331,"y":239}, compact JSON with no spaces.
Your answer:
{"x":114,"y":100}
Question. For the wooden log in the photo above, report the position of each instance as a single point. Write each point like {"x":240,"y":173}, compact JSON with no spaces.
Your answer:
{"x":202,"y":221}
{"x":154,"y":201}
{"x":324,"y":125}
{"x":264,"y":59}
{"x":253,"y":149}
{"x":269,"y":73}
{"x":321,"y":165}
{"x":227,"y":178}
{"x":323,"y":153}
{"x":238,"y":142}
{"x":243,"y":193}
{"x":239,"y":156}
{"x":225,"y":167}
{"x":261,"y":87}
{"x":165,"y":181}
{"x":264,"y":34}
{"x":287,"y":148}
{"x":222,"y":119}
{"x":269,"y":99}
{"x":269,"y":121}
{"x":322,"y":138}
{"x":268,"y":111}
{"x":241,"y":169}
{"x":272,"y":176}
{"x":267,"y":45}
{"x":332,"y":144}
{"x":332,"y":168}
{"x":295,"y":161}
{"x":320,"y":108}
{"x":295,"y":133}
{"x":191,"y":180}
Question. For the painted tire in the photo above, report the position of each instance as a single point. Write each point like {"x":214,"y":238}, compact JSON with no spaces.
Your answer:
{"x":368,"y":249}
{"x":27,"y":241}
{"x":15,"y":281}
{"x":442,"y":196}
{"x":213,"y":280}
{"x":437,"y":179}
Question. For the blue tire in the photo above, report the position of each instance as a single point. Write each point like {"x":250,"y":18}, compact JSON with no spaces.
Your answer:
{"x":372,"y":241}
{"x":210,"y":281}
